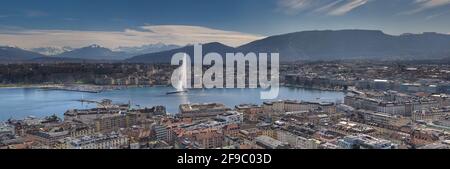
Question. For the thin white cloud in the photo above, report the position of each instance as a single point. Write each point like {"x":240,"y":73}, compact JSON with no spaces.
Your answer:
{"x":422,"y":5}
{"x":347,"y":7}
{"x":436,"y":15}
{"x":169,"y":34}
{"x":329,"y":7}
{"x":432,"y":3}
{"x":295,"y":6}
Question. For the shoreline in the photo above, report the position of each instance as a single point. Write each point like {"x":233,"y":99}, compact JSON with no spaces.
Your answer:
{"x":19,"y":86}
{"x":100,"y":88}
{"x":66,"y":87}
{"x":313,"y":88}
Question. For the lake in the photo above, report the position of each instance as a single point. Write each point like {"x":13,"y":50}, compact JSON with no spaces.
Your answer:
{"x":22,"y":102}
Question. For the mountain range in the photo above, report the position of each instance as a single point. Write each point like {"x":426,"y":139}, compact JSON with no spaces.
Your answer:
{"x":353,"y":44}
{"x":51,"y":51}
{"x":144,"y":49}
{"x":330,"y":45}
{"x":306,"y":45}
{"x":94,"y":52}
{"x":166,"y":56}
{"x":14,"y":54}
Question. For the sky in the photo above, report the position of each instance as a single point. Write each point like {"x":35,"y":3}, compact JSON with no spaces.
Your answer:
{"x":114,"y":23}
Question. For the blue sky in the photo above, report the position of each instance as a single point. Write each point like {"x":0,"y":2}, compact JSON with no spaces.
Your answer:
{"x":81,"y":22}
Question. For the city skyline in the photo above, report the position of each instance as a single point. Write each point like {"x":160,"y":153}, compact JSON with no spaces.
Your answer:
{"x":224,"y":83}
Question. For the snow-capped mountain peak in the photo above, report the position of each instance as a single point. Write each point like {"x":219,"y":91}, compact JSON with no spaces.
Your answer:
{"x":51,"y":51}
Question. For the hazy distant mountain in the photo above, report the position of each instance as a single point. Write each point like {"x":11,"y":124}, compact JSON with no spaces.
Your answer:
{"x":353,"y":44}
{"x":331,"y":45}
{"x":64,"y":60}
{"x":94,"y":52}
{"x":51,"y":51}
{"x":166,"y":56}
{"x":307,"y":45}
{"x":144,"y":49}
{"x":12,"y":54}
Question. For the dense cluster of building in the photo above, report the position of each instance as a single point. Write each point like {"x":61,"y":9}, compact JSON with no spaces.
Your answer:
{"x":398,"y":76}
{"x":387,"y":106}
{"x":366,"y":120}
{"x":402,"y":77}
{"x":104,"y":74}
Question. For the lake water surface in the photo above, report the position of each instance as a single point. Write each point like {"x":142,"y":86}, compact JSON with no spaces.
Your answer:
{"x":22,"y":102}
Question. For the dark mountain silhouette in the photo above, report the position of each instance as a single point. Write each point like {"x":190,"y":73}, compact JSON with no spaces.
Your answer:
{"x":306,"y":45}
{"x":353,"y":44}
{"x":150,"y":48}
{"x":13,"y":54}
{"x":61,"y":60}
{"x":166,"y":56}
{"x":330,"y":45}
